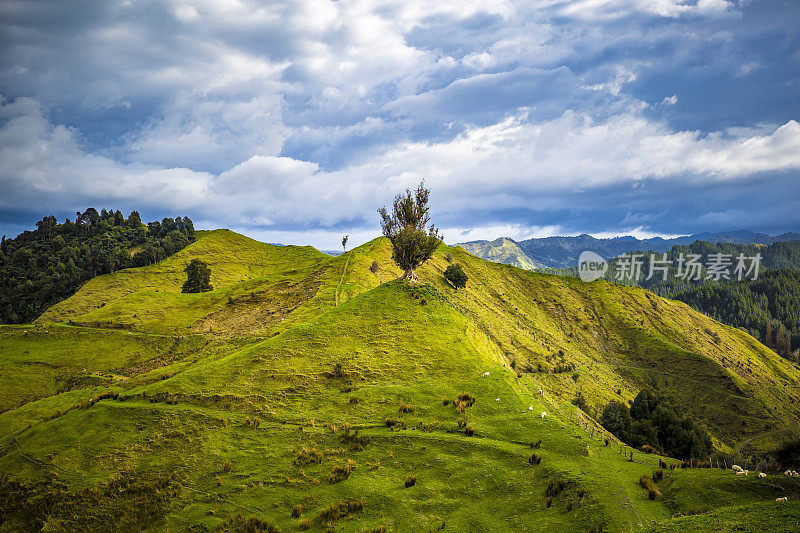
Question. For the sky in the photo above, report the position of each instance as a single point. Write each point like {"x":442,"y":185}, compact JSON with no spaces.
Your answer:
{"x":294,"y":121}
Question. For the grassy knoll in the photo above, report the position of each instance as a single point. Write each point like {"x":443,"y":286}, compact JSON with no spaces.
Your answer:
{"x":315,"y":386}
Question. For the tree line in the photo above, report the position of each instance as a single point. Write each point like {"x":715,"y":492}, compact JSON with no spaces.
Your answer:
{"x":42,"y":267}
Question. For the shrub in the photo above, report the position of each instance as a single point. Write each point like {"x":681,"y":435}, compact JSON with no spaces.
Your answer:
{"x":569,"y":505}
{"x":445,"y":401}
{"x":644,"y":481}
{"x":606,"y":441}
{"x":374,"y":267}
{"x":653,"y":493}
{"x":339,"y":510}
{"x":411,"y":481}
{"x":467,"y":398}
{"x":405,"y":408}
{"x":662,"y":463}
{"x":549,"y":501}
{"x":581,"y":492}
{"x":455,"y":274}
{"x":307,"y":456}
{"x":297,"y":510}
{"x":580,"y":402}
{"x":555,"y":486}
{"x":538,"y":444}
{"x":535,"y":459}
{"x":305,"y":523}
{"x":256,"y":422}
{"x":354,"y":400}
{"x":575,"y":377}
{"x":468,"y":431}
{"x":227,"y":465}
{"x":340,"y":473}
{"x":658,"y":475}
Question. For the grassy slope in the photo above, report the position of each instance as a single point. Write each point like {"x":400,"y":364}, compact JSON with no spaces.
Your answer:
{"x":390,"y":349}
{"x":502,"y":250}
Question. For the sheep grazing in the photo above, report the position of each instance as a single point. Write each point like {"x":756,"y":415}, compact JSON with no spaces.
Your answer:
{"x":742,"y":473}
{"x":762,"y":474}
{"x":784,"y":499}
{"x":737,"y":468}
{"x":540,"y":391}
{"x":486,"y":374}
{"x":544,"y":414}
{"x":497,"y":399}
{"x":530,"y":408}
{"x":788,"y":473}
{"x":504,"y":365}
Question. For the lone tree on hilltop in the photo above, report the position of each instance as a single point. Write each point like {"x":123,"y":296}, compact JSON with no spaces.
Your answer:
{"x":344,"y":242}
{"x":198,"y":277}
{"x":455,"y":274}
{"x":405,"y":228}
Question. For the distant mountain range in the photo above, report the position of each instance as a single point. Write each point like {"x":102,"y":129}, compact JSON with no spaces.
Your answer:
{"x":562,"y":252}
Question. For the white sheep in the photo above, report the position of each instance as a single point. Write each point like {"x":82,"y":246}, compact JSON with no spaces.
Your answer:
{"x":504,"y":365}
{"x":497,"y":399}
{"x":784,"y":499}
{"x":762,"y":474}
{"x":795,"y":474}
{"x":530,"y":408}
{"x":737,"y":468}
{"x":788,"y":473}
{"x":742,"y":473}
{"x":486,"y":374}
{"x":540,"y":391}
{"x":544,"y":414}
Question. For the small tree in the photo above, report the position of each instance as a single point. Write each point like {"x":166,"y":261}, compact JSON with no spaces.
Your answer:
{"x":344,"y":242}
{"x":456,"y":275}
{"x":405,"y":228}
{"x":198,"y":277}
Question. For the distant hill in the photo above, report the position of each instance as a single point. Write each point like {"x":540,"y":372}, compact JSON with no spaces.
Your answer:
{"x":562,"y":252}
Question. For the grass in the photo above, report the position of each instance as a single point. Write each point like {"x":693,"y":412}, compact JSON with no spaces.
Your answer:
{"x":303,"y":393}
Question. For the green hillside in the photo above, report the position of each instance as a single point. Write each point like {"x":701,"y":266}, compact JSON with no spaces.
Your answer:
{"x":502,"y":250}
{"x":311,"y":382}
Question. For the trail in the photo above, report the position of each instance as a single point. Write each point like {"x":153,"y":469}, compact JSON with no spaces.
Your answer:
{"x":336,"y":296}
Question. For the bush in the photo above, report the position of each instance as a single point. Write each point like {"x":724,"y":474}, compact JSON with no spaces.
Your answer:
{"x":579,"y":402}
{"x":307,"y":456}
{"x":297,"y":510}
{"x":374,"y":267}
{"x":653,"y":493}
{"x":455,"y":274}
{"x":468,"y":431}
{"x":445,"y":401}
{"x":411,"y":481}
{"x":340,"y":473}
{"x":549,"y":501}
{"x":354,"y":400}
{"x":405,"y":408}
{"x":658,"y":475}
{"x":555,"y":486}
{"x":467,"y":398}
{"x":305,"y":523}
{"x":339,"y":510}
{"x":535,"y":459}
{"x":198,"y":277}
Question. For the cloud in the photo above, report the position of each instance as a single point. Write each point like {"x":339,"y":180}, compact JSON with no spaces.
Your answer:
{"x":287,"y":117}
